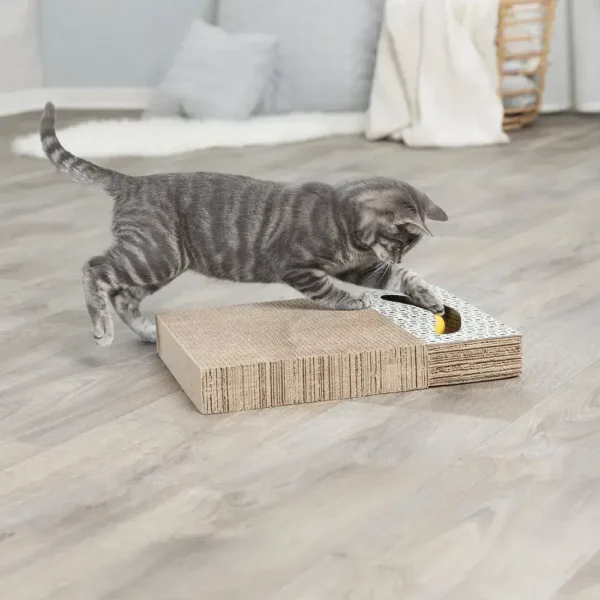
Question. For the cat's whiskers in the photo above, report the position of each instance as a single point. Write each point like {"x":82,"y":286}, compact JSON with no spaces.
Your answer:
{"x":379,"y":269}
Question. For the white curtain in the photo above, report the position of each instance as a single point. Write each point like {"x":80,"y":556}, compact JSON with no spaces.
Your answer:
{"x":573,"y":79}
{"x":20,"y":66}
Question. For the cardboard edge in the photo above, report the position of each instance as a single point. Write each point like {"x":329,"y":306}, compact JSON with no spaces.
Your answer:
{"x":179,"y":363}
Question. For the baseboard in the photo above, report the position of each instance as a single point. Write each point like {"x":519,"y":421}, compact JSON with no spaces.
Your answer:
{"x":12,"y":103}
{"x":581,"y":107}
{"x":587,"y":107}
{"x":554,"y":108}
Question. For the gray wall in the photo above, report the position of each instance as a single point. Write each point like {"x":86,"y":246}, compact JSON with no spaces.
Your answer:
{"x":19,"y":59}
{"x":585,"y":20}
{"x":573,"y":79}
{"x":558,"y":94}
{"x":113,"y":43}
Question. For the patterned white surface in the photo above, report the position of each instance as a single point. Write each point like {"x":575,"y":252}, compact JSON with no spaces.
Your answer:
{"x":421,"y":323}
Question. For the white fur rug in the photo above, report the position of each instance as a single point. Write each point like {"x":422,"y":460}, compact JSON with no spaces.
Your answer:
{"x":167,"y":136}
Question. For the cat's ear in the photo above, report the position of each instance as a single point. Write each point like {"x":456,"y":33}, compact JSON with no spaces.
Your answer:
{"x":415,"y":226}
{"x":434,"y":212}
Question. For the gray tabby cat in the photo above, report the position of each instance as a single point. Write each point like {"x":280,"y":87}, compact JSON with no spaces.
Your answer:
{"x":244,"y":229}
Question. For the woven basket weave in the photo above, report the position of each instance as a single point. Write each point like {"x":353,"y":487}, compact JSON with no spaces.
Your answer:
{"x":523,"y":45}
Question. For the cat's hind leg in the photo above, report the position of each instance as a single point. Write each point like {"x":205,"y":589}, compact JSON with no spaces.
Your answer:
{"x":123,"y":276}
{"x":97,"y":281}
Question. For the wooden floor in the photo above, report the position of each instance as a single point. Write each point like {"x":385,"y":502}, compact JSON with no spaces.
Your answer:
{"x":113,"y":487}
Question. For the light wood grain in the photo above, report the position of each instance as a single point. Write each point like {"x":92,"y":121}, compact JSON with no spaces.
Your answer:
{"x":112,"y":486}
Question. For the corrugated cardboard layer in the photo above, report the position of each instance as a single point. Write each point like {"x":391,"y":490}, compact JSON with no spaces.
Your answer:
{"x":474,"y":361}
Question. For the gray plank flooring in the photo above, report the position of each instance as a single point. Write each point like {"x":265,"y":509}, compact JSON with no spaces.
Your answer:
{"x":113,"y":487}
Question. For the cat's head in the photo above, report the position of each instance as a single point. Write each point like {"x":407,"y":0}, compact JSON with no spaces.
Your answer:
{"x":393,"y":217}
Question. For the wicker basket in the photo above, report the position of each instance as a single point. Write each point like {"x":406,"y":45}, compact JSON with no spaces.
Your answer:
{"x":523,"y":42}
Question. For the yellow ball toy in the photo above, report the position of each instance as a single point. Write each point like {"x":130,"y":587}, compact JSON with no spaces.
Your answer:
{"x":449,"y":322}
{"x":440,"y":324}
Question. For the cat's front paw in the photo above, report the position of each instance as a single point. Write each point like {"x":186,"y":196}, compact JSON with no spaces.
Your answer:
{"x":424,"y":297}
{"x":355,"y":302}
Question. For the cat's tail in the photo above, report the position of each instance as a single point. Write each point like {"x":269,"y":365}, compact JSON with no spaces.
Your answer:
{"x":78,"y":168}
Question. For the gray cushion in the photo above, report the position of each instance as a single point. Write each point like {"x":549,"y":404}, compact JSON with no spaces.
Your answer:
{"x":326,"y":50}
{"x":215,"y":75}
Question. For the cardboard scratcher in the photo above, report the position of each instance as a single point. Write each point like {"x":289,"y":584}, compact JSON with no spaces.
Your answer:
{"x":292,"y":351}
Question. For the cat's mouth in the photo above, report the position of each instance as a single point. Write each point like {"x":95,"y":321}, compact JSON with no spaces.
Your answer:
{"x":451,"y":317}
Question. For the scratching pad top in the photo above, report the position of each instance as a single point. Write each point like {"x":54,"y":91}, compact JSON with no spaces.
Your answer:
{"x":476,"y":325}
{"x":281,"y":330}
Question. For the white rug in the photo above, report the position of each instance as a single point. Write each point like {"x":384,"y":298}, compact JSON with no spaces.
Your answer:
{"x":167,"y":136}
